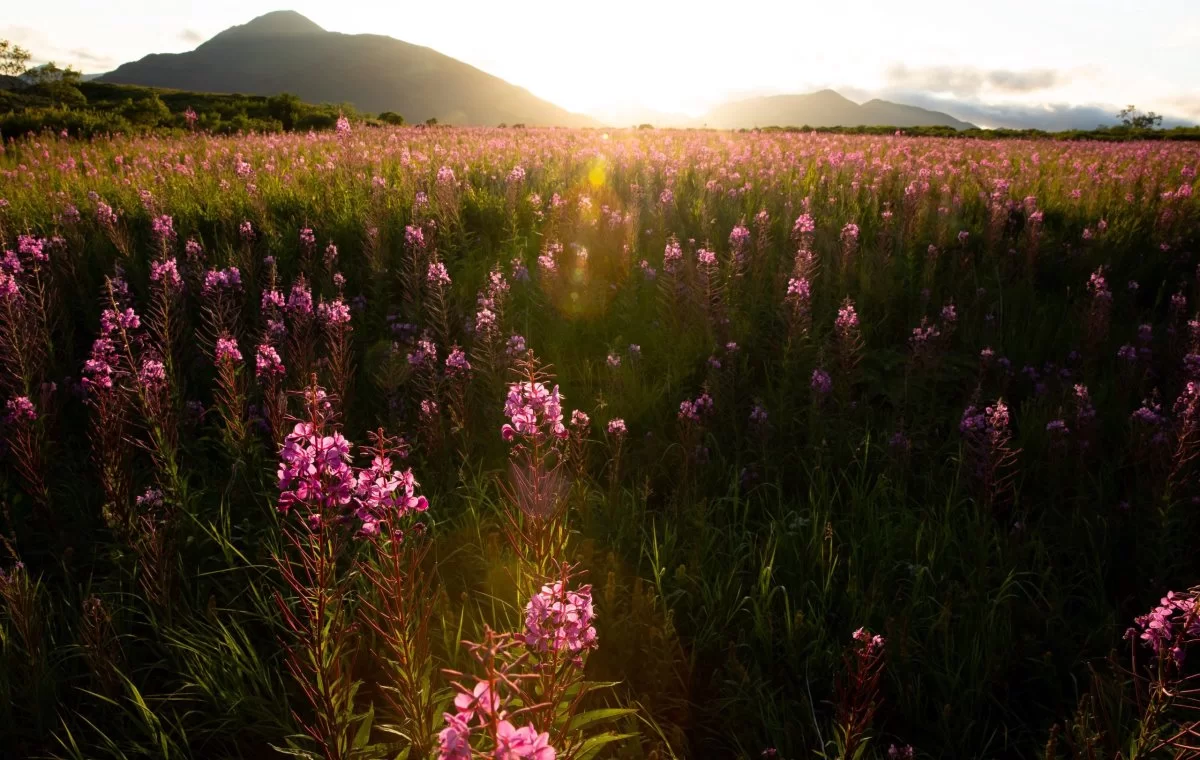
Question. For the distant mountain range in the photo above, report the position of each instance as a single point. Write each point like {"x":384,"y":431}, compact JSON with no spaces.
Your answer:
{"x":285,"y":52}
{"x":824,"y":109}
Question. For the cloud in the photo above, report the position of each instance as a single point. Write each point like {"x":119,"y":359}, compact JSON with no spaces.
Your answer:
{"x":191,"y":35}
{"x":90,"y":59}
{"x":1049,"y":116}
{"x":967,"y":82}
{"x":1187,"y":105}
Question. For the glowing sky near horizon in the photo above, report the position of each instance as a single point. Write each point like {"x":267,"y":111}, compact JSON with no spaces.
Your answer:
{"x":686,"y":55}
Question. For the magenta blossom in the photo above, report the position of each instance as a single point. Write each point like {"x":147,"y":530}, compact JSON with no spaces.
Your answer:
{"x":227,"y":351}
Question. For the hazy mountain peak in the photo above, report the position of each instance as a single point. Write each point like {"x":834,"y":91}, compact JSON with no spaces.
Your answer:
{"x":273,"y":24}
{"x":286,"y":52}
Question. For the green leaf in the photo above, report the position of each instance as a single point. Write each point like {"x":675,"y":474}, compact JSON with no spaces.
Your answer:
{"x":363,"y":736}
{"x":592,"y":746}
{"x":604,"y":715}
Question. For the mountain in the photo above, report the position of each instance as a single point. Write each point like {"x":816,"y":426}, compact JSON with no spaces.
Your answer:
{"x":825,"y":108}
{"x":285,"y":52}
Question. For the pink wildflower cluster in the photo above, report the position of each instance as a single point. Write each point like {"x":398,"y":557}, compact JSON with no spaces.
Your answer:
{"x":694,"y":410}
{"x":992,"y":422}
{"x":314,"y":470}
{"x":267,"y":363}
{"x":334,"y":313}
{"x":534,"y":412}
{"x":382,"y":493}
{"x":559,"y":620}
{"x":152,"y":375}
{"x":20,"y":409}
{"x":166,"y":272}
{"x":300,"y":301}
{"x":218,"y":281}
{"x":163,"y":228}
{"x":426,"y":353}
{"x":512,"y":743}
{"x":456,"y":362}
{"x":437,"y":275}
{"x":1163,"y":628}
{"x":515,"y":346}
{"x":227,"y":351}
{"x":672,"y":256}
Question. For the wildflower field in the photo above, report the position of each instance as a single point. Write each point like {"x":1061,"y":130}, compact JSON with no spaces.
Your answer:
{"x":517,"y":443}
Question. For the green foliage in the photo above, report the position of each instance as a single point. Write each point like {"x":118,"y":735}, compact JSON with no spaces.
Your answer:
{"x":1132,"y":118}
{"x":60,"y":101}
{"x":14,"y":59}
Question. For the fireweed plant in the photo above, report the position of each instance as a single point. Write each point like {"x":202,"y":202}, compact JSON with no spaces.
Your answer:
{"x":939,"y":392}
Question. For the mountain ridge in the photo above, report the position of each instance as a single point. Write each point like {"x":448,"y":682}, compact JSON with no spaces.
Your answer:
{"x":374,"y":73}
{"x":284,"y":51}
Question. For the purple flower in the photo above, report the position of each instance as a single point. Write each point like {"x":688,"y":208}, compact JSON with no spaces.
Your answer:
{"x":847,"y":318}
{"x":152,"y":375}
{"x":822,"y":383}
{"x":1157,"y":627}
{"x":533,"y":411}
{"x":425,"y":354}
{"x":227,"y":351}
{"x":21,"y":409}
{"x":217,"y":281}
{"x":334,"y":313}
{"x":454,"y":741}
{"x":616,"y":428}
{"x":300,"y":302}
{"x":163,"y":228}
{"x":560,"y":620}
{"x":758,"y":415}
{"x":524,"y":743}
{"x":267,"y":363}
{"x":456,"y":362}
{"x":672,"y":256}
{"x":314,"y":470}
{"x":167,"y":273}
{"x":437,"y":275}
{"x":515,"y":346}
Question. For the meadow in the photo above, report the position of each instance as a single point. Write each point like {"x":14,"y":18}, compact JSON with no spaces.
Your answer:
{"x":433,"y":442}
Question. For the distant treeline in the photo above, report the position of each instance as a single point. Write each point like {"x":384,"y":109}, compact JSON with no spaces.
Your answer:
{"x":93,"y":108}
{"x":86,"y":109}
{"x":1115,"y":133}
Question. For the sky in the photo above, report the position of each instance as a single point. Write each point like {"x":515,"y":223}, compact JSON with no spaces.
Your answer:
{"x":984,"y":61}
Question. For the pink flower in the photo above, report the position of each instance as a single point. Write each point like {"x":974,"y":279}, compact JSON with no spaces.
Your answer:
{"x":334,"y":313}
{"x":454,"y":741}
{"x":152,"y":375}
{"x":437,"y":275}
{"x":167,"y":273}
{"x":20,"y":409}
{"x":481,"y":700}
{"x":533,"y":411}
{"x":227,"y":351}
{"x":456,"y":362}
{"x":523,"y":743}
{"x":267,"y":363}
